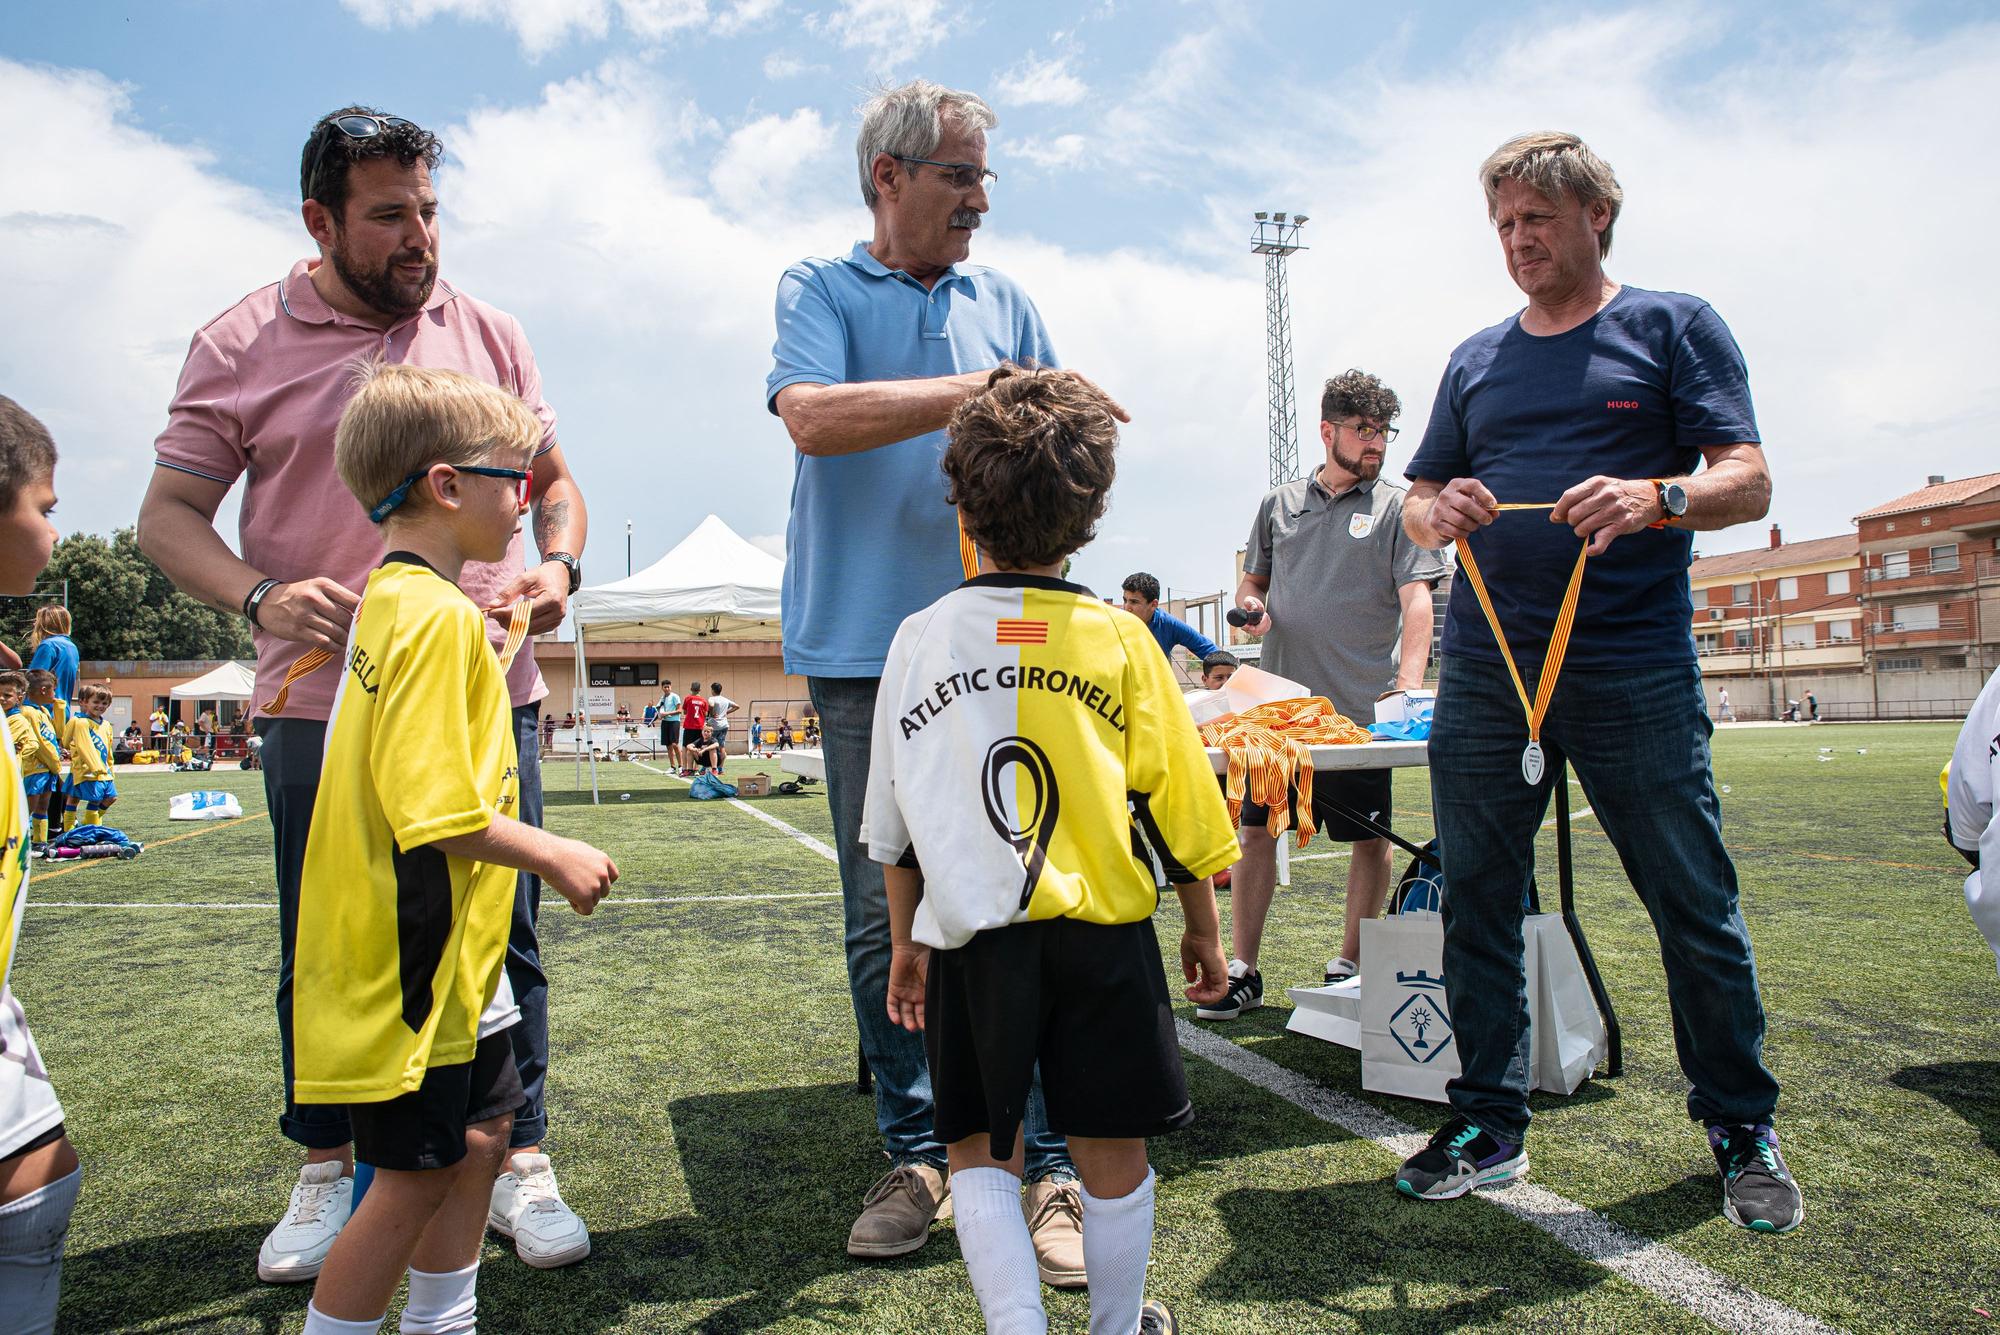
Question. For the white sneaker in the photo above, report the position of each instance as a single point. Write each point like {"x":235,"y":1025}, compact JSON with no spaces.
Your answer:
{"x":528,"y":1207}
{"x":294,"y":1251}
{"x":1341,"y":969}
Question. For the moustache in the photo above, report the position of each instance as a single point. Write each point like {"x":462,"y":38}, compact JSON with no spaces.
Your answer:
{"x":966,"y":218}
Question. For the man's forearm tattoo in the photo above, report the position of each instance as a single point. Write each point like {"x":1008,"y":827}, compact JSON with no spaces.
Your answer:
{"x":551,"y":520}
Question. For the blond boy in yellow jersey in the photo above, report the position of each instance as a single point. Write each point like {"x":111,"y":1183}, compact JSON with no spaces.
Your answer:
{"x":1033,"y":770}
{"x":39,"y":751}
{"x":90,"y":742}
{"x":55,"y":713}
{"x":39,"y":1173}
{"x":401,"y":1002}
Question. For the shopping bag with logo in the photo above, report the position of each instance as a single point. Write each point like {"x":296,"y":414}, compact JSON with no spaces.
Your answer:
{"x":203,"y":806}
{"x":1569,"y":1032}
{"x":1406,"y":1029}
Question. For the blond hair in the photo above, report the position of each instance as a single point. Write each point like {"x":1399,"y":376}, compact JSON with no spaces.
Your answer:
{"x":402,"y":419}
{"x":1554,"y":164}
{"x":50,"y":619}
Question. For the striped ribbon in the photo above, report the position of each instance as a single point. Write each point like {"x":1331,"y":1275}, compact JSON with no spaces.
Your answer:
{"x":1535,"y":710}
{"x":968,"y":554}
{"x":1269,"y":750}
{"x":313,"y":659}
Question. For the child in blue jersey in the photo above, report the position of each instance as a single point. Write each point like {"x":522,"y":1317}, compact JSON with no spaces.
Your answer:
{"x":39,"y":1173}
{"x":1034,"y":774}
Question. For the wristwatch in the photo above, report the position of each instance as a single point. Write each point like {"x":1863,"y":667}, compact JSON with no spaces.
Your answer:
{"x":576,"y":571}
{"x":1673,"y":501}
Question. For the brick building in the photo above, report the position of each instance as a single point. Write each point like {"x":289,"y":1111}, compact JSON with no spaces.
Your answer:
{"x":1930,"y":578}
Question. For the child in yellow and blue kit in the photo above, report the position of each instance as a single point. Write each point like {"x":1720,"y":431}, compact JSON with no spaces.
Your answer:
{"x":54,"y":710}
{"x":89,"y":742}
{"x":38,"y":748}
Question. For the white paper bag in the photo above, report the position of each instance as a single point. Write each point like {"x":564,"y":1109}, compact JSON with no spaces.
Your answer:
{"x":1408,"y":1041}
{"x":1569,"y":1033}
{"x":1407,"y":1044}
{"x":203,"y":806}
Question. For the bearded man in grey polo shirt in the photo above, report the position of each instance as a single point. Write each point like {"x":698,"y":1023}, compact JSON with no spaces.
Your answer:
{"x":1342,"y":598}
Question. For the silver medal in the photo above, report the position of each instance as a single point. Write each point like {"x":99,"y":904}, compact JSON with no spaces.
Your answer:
{"x":1532,"y":763}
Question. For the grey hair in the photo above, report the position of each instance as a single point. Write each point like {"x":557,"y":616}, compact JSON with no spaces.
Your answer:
{"x":1554,"y":163}
{"x":908,"y":122}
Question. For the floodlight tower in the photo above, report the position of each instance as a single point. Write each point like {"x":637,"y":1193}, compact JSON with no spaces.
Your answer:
{"x":1276,"y":239}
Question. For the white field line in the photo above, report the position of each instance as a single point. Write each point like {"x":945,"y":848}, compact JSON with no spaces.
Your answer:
{"x":770,"y":820}
{"x":1316,"y":857}
{"x":1660,"y":1270}
{"x":1574,"y":817}
{"x":553,"y":901}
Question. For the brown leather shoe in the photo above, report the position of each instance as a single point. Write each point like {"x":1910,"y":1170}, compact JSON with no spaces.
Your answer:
{"x":897,"y":1212}
{"x":1055,"y":1222}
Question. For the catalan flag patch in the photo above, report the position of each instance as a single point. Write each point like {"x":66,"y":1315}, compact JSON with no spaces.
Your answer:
{"x":1021,"y":632}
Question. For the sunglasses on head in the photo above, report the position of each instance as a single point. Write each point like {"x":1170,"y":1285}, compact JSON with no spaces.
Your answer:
{"x":522,"y":492}
{"x":357,"y":126}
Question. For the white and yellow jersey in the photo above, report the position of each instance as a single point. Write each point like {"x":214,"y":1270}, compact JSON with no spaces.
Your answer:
{"x":48,"y":757}
{"x":1034,"y":758}
{"x":28,"y":1105}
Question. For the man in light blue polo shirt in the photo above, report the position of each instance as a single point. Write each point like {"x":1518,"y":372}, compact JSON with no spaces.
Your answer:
{"x":874,"y":352}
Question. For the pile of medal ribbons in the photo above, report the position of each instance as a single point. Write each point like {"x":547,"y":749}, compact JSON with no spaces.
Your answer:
{"x":1270,"y":752}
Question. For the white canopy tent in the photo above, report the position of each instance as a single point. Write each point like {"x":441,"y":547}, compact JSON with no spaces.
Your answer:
{"x":713,"y":586}
{"x":231,"y":681}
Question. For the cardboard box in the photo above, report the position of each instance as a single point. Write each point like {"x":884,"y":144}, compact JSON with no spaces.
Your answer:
{"x":753,"y":785}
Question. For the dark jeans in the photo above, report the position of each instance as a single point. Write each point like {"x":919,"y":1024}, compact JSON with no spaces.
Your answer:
{"x":1638,"y":741}
{"x":293,"y":749}
{"x":846,"y":708}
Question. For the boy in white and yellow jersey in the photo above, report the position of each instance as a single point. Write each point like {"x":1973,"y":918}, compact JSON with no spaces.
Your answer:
{"x":39,"y":1174}
{"x":401,"y":1000}
{"x":1034,"y":776}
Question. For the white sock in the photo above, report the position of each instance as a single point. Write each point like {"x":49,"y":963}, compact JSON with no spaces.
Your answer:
{"x":1117,"y":1243}
{"x":999,"y":1254}
{"x":442,"y":1304}
{"x":319,"y":1323}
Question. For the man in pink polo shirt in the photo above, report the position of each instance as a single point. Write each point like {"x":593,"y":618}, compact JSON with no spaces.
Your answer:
{"x":261,"y":393}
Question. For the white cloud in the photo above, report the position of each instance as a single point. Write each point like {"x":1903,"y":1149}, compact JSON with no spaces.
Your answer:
{"x":114,"y":248}
{"x":542,"y":25}
{"x":889,"y":30}
{"x":1065,"y":150}
{"x":745,"y":15}
{"x":761,"y":159}
{"x":778,"y":67}
{"x":1034,"y":82}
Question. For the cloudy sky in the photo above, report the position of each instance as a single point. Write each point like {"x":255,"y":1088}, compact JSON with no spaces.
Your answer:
{"x":629,"y":177}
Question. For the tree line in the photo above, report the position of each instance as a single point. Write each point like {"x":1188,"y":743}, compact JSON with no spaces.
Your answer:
{"x":122,"y":606}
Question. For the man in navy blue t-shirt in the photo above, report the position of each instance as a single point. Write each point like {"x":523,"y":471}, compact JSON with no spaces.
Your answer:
{"x":1606,"y":401}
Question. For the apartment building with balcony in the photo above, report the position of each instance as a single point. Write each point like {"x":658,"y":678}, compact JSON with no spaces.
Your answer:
{"x":1931,"y":578}
{"x":1772,"y":621}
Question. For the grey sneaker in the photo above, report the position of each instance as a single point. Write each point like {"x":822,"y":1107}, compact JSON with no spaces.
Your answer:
{"x":1339,"y":969}
{"x":1758,"y":1191}
{"x":1155,"y":1319}
{"x":1460,"y":1157}
{"x":896,"y":1214}
{"x":1246,"y":993}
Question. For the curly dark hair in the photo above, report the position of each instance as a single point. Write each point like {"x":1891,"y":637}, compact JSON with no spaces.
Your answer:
{"x":330,"y":154}
{"x":1145,"y":585}
{"x":1029,"y":465}
{"x":1355,"y":393}
{"x":27,"y":451}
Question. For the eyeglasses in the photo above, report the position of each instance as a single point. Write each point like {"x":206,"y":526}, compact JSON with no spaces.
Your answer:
{"x":354,"y":126}
{"x":1366,"y":433}
{"x":964,"y":176}
{"x":402,"y":493}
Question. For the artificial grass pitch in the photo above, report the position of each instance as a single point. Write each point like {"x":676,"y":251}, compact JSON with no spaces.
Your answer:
{"x":704,"y":1120}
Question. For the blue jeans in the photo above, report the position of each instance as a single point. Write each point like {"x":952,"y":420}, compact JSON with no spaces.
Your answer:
{"x":1638,"y":742}
{"x":292,"y":752}
{"x":846,"y":707}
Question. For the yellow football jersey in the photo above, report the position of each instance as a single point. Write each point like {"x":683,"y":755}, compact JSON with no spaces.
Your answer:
{"x":89,"y":746}
{"x":33,"y":753}
{"x":46,"y":757}
{"x":401,"y":947}
{"x":1033,"y":754}
{"x":28,"y":1104}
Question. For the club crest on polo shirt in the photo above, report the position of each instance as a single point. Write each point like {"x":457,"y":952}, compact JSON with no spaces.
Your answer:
{"x":1360,"y":526}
